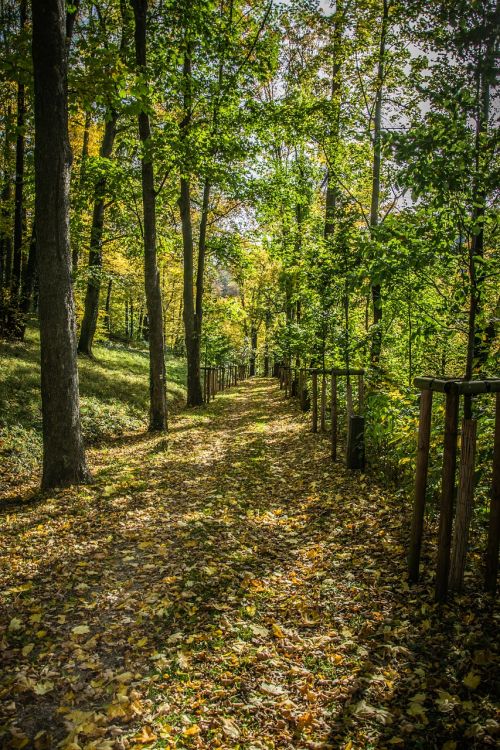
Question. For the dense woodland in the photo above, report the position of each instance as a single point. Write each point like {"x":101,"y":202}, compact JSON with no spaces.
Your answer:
{"x":188,"y":184}
{"x":281,"y":182}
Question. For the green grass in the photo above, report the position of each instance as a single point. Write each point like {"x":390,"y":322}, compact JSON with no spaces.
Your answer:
{"x":114,"y":390}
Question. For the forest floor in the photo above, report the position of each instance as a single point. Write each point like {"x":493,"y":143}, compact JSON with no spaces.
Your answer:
{"x":227,"y":586}
{"x":114,"y":398}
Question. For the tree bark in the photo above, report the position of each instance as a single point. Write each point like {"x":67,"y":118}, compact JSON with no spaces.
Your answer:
{"x":81,"y":180}
{"x":89,"y":321}
{"x":192,"y":326}
{"x":376,"y":342}
{"x":5,"y":234}
{"x":194,"y":391}
{"x":18,"y":191}
{"x":63,"y":452}
{"x":253,"y":345}
{"x":331,"y":187}
{"x":157,"y":373}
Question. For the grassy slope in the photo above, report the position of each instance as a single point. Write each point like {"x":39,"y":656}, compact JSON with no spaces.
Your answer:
{"x":114,"y":399}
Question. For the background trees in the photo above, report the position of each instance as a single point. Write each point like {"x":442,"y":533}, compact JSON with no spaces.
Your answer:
{"x":311,"y":183}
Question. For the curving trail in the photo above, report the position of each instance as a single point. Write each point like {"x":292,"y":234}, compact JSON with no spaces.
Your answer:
{"x":227,"y":586}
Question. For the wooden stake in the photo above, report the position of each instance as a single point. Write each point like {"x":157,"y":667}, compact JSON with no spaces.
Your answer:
{"x":465,"y":500}
{"x":335,"y":416}
{"x":356,"y":443}
{"x":361,"y":393}
{"x":417,"y":524}
{"x":447,"y":494}
{"x":323,"y":403}
{"x":315,"y":401}
{"x":492,"y":549}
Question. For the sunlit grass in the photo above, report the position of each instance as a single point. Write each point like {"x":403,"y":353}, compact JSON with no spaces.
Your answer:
{"x":114,"y":389}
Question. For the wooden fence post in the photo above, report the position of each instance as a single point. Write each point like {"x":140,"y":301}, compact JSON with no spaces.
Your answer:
{"x":334,"y":420}
{"x":361,"y":393}
{"x":447,"y":492}
{"x":417,"y":524}
{"x":465,"y":500}
{"x":303,"y":389}
{"x":314,"y":401}
{"x":491,"y":572}
{"x":356,"y":443}
{"x":323,"y":402}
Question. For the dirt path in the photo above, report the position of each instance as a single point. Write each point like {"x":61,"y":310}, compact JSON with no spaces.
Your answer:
{"x":227,"y":586}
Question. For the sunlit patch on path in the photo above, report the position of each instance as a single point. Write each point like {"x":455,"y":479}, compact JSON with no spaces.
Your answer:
{"x":228,"y":586}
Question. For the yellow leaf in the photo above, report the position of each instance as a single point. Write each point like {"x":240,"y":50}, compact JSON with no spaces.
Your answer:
{"x":15,"y":624}
{"x":28,"y":649}
{"x":141,"y":643}
{"x":449,"y":745}
{"x":81,"y":629}
{"x":277,"y":631}
{"x":191,"y":731}
{"x":305,"y":719}
{"x":36,"y":617}
{"x":43,"y":687}
{"x":472,"y":680}
{"x":146,"y":735}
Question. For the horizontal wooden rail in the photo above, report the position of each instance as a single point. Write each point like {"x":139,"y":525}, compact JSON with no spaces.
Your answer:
{"x":335,"y":371}
{"x":462,"y":387}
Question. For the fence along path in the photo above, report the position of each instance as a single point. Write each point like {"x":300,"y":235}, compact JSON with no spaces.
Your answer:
{"x":233,"y":558}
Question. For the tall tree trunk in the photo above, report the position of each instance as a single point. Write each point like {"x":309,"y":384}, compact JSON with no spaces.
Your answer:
{"x":253,"y":349}
{"x":89,"y":321}
{"x":157,"y":373}
{"x":28,"y":285}
{"x":477,"y":349}
{"x":191,"y":327}
{"x":5,"y":229}
{"x":331,"y":187}
{"x":376,"y":342}
{"x":81,"y":181}
{"x":194,"y":392}
{"x":107,"y":317}
{"x":63,"y":452}
{"x":19,"y":189}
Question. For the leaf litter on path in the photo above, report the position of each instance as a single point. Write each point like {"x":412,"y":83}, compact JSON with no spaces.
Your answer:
{"x":227,"y":586}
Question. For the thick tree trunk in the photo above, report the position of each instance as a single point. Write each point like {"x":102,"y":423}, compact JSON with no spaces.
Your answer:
{"x":89,"y":321}
{"x":157,"y":373}
{"x":376,"y":342}
{"x":63,"y":453}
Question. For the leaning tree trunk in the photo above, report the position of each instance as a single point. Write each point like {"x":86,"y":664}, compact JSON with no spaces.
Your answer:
{"x":89,"y":321}
{"x":376,"y":342}
{"x":157,"y":374}
{"x":63,"y":452}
